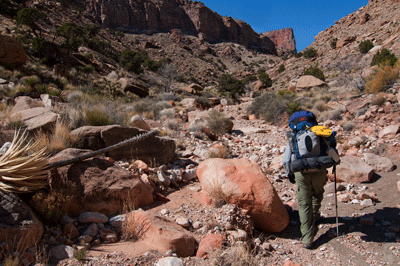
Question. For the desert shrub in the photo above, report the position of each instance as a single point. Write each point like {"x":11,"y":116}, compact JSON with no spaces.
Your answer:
{"x":230,"y":87}
{"x":365,"y":46}
{"x":250,"y":78}
{"x":349,"y":126}
{"x":298,"y":55}
{"x":72,"y":34}
{"x":103,"y":47}
{"x":292,"y":107}
{"x":97,"y":117}
{"x":320,"y":106}
{"x":30,"y":17}
{"x":361,"y":111}
{"x":146,"y":107}
{"x":335,"y":115}
{"x":281,"y":68}
{"x":173,"y":124}
{"x":384,"y":57}
{"x":378,"y":99}
{"x":333,"y":43}
{"x":133,"y":60}
{"x":385,"y":76}
{"x":310,"y":53}
{"x":220,"y":151}
{"x":270,"y":105}
{"x":8,"y":8}
{"x":235,"y":255}
{"x":264,"y":78}
{"x":204,"y":102}
{"x":31,"y":81}
{"x":57,"y":140}
{"x":218,"y":123}
{"x":315,"y":71}
{"x":134,"y":226}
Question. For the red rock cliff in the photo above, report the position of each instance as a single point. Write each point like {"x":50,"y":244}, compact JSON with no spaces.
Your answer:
{"x":192,"y":17}
{"x":283,"y":39}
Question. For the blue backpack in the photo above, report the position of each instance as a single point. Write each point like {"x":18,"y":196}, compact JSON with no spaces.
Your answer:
{"x":309,"y":150}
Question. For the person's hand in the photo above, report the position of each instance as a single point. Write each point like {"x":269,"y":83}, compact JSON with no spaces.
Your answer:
{"x":291,"y":178}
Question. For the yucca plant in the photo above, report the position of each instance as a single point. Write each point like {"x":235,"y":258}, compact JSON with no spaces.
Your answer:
{"x":21,"y":169}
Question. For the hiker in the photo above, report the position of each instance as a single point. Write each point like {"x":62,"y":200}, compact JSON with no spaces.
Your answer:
{"x":306,"y":158}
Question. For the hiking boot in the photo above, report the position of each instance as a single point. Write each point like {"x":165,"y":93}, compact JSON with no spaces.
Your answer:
{"x":307,"y":245}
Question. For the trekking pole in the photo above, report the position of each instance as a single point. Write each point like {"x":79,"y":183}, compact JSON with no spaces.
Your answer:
{"x":336,"y":207}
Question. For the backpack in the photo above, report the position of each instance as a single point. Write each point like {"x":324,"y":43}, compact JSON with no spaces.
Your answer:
{"x":312,"y":146}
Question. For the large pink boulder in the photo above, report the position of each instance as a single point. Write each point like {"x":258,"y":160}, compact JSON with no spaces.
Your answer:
{"x":242,"y":182}
{"x":162,"y":234}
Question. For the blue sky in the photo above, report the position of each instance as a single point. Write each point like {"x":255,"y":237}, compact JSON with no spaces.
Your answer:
{"x":306,"y":18}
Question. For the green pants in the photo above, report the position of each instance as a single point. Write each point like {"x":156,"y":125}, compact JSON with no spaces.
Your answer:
{"x":310,"y":192}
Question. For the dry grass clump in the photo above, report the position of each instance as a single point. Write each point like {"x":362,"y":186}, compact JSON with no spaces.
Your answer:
{"x":385,"y":76}
{"x":349,"y":126}
{"x":219,"y":151}
{"x":135,"y":226}
{"x":58,"y":140}
{"x":173,"y":124}
{"x":237,"y":255}
{"x":218,"y":123}
{"x":378,"y":99}
{"x":320,"y":105}
{"x":219,"y":192}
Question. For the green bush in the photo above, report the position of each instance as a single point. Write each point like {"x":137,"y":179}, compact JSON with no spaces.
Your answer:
{"x":73,"y":36}
{"x":218,"y":123}
{"x":365,"y":46}
{"x":265,"y":79}
{"x":310,"y":53}
{"x":281,"y":68}
{"x":333,"y":43}
{"x":314,"y":71}
{"x":30,"y":17}
{"x":133,"y":60}
{"x":230,"y":87}
{"x":384,"y":57}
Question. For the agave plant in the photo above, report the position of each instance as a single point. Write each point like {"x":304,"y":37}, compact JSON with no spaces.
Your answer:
{"x":22,"y":169}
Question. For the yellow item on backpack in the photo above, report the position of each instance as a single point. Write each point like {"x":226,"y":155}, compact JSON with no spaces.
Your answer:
{"x":322,"y":131}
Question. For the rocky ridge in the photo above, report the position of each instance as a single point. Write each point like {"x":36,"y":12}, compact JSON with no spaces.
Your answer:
{"x":192,"y":18}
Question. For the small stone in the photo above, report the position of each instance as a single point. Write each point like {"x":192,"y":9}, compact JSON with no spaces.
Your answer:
{"x":83,"y":239}
{"x":169,"y":261}
{"x":367,"y":202}
{"x":238,"y":235}
{"x":91,"y":230}
{"x":164,"y":212}
{"x":196,"y":225}
{"x":92,"y":217}
{"x":117,"y":221}
{"x":184,"y":222}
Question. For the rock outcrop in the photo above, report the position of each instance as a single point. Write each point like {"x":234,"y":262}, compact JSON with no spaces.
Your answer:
{"x":283,"y":40}
{"x":153,"y":150}
{"x":11,"y":51}
{"x":191,"y":17}
{"x":94,"y":185}
{"x":19,"y":227}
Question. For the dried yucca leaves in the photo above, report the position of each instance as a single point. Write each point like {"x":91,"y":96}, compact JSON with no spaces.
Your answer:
{"x":22,"y":169}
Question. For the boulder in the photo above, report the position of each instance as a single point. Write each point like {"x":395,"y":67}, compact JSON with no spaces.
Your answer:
{"x":355,"y":105}
{"x":193,"y":88}
{"x":94,"y":185}
{"x":379,"y":163}
{"x":24,"y":103}
{"x":19,"y":226}
{"x":353,"y":170}
{"x":129,"y":86}
{"x":242,"y":182}
{"x":189,"y":102}
{"x":308,"y":81}
{"x":153,"y":150}
{"x":38,"y":118}
{"x":11,"y":51}
{"x":170,"y":261}
{"x":344,"y":41}
{"x":162,"y":234}
{"x":389,"y":132}
{"x":209,"y":243}
{"x":137,"y":121}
